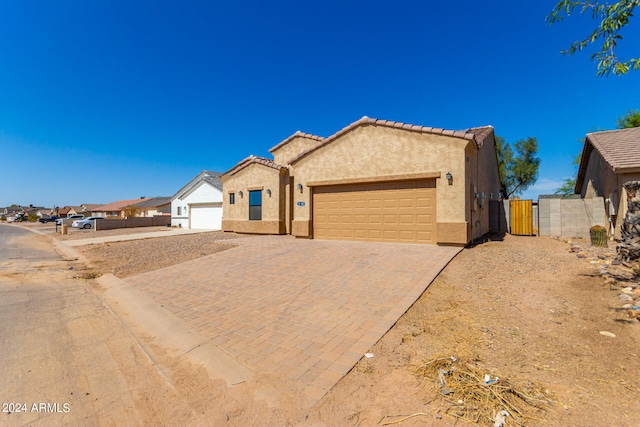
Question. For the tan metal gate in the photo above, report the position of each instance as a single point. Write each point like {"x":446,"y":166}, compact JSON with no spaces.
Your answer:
{"x":521,"y":212}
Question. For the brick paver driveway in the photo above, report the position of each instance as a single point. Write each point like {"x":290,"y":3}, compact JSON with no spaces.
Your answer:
{"x":307,"y":309}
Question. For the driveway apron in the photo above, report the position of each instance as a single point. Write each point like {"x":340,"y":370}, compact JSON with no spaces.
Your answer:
{"x":305,"y":309}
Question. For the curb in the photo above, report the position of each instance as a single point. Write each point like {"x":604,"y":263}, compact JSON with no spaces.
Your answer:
{"x":140,"y":314}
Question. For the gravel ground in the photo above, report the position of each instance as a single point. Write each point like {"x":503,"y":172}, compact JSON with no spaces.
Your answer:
{"x":133,"y":257}
{"x":530,"y":310}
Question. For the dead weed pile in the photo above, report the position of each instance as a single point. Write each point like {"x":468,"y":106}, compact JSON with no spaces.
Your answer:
{"x":472,"y":395}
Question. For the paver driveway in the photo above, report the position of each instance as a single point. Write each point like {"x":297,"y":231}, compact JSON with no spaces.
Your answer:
{"x":307,"y":309}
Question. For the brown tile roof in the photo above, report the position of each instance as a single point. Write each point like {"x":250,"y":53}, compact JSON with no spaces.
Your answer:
{"x":251,"y":160}
{"x":478,"y":135}
{"x":118,"y":205}
{"x":298,"y":134}
{"x":619,"y":148}
{"x":64,"y":210}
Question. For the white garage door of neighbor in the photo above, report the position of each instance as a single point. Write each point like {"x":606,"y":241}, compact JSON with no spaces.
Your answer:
{"x":206,"y":217}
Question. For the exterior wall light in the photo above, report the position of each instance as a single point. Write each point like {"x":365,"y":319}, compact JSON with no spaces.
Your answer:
{"x":240,"y":193}
{"x":299,"y":187}
{"x":268,"y":192}
{"x":449,"y":176}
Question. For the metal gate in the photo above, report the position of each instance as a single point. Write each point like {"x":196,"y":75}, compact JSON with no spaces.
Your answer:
{"x":521,"y":212}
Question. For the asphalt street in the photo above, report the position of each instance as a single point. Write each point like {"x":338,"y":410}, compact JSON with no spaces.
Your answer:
{"x":66,"y":359}
{"x":14,"y":245}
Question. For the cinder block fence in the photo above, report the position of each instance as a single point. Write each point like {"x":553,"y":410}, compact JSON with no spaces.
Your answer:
{"x":569,"y":215}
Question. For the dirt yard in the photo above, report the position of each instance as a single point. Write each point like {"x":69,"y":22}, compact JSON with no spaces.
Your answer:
{"x":541,"y":314}
{"x":129,"y":258}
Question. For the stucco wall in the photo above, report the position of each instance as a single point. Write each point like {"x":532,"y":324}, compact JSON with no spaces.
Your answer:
{"x":620,"y":201}
{"x":378,"y":151}
{"x":599,"y":179}
{"x":488,"y":187}
{"x":295,"y":146}
{"x":255,"y":177}
{"x":201,"y":193}
{"x":370,"y":151}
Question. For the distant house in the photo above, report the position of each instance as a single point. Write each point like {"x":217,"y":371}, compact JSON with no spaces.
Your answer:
{"x":75,"y":210}
{"x":63,"y":212}
{"x":156,"y":206}
{"x":199,"y":203}
{"x":11,"y":211}
{"x":609,"y":159}
{"x":44,"y":212}
{"x":115,"y":209}
{"x":88,"y":207}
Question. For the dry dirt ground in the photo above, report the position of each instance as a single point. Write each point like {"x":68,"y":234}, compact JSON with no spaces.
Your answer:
{"x":129,"y":258}
{"x":529,"y":310}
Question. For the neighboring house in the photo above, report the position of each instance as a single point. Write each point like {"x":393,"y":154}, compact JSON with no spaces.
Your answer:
{"x":12,"y":211}
{"x":115,"y":209}
{"x":75,"y":210}
{"x":609,"y":159}
{"x":374,"y":180}
{"x":199,"y":203}
{"x":44,"y":212}
{"x":63,"y":212}
{"x":156,"y":206}
{"x":88,"y":207}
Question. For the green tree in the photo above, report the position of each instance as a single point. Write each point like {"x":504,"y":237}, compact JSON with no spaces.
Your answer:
{"x":631,"y":119}
{"x":569,"y":185}
{"x":131,"y":211}
{"x":518,"y":166}
{"x":613,"y":18}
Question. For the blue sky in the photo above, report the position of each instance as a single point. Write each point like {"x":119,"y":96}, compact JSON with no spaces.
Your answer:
{"x":108,"y":100}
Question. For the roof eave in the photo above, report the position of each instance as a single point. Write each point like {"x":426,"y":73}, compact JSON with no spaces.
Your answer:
{"x":468,"y":134}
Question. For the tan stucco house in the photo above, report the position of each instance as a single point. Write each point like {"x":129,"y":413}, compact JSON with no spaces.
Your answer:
{"x":609,"y":159}
{"x":374,"y":180}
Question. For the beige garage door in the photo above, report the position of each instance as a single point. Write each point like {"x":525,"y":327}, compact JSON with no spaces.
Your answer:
{"x":383,"y":212}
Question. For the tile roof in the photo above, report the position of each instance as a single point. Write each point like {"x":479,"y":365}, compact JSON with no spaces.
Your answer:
{"x":251,"y":160}
{"x":118,"y":205}
{"x":478,"y":135}
{"x":64,"y":210}
{"x":619,"y":148}
{"x":210,"y":177}
{"x":91,"y":206}
{"x":154,"y":202}
{"x":297,"y":134}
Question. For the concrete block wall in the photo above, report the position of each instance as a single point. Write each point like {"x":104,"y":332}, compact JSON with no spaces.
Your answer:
{"x":569,"y":217}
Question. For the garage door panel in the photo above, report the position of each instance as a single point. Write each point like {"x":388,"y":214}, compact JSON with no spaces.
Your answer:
{"x":424,"y":220}
{"x":390,"y":219}
{"x":389,"y":203}
{"x":406,"y":203}
{"x":360,"y":234}
{"x":206,"y":217}
{"x":399,"y":211}
{"x":360,"y":204}
{"x":374,"y":203}
{"x":407,"y":219}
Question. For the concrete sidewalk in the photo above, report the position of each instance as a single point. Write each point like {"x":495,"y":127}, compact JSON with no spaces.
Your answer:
{"x":134,"y":236}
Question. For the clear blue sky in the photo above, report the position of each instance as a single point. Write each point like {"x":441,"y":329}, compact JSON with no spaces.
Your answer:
{"x":108,"y":100}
